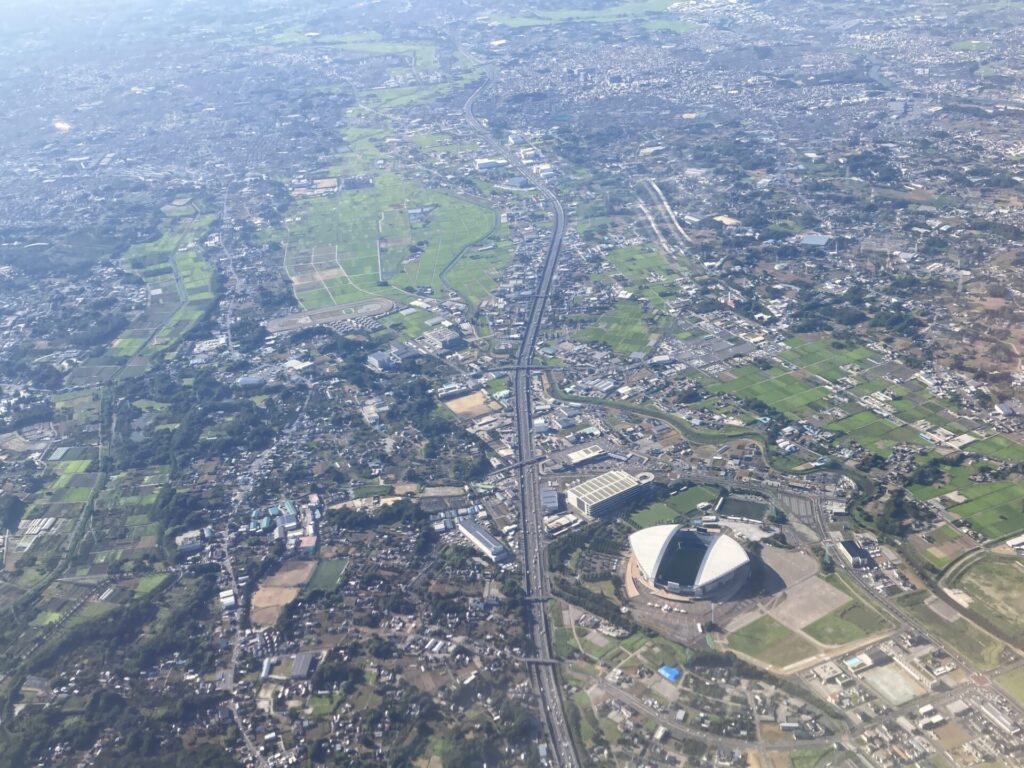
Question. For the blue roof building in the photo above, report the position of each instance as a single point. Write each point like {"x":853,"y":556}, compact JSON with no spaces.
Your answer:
{"x":672,"y":674}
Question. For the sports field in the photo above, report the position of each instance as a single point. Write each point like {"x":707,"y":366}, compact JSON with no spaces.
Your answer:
{"x":327,"y":574}
{"x":681,"y":503}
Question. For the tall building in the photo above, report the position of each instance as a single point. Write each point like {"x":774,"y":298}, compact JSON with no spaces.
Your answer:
{"x":606,"y":493}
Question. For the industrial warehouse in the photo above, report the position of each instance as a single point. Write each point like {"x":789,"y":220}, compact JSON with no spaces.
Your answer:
{"x":690,"y":562}
{"x":608,"y":493}
{"x":482,"y":539}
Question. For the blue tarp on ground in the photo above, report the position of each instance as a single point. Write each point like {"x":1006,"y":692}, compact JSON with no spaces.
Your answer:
{"x":669,"y":673}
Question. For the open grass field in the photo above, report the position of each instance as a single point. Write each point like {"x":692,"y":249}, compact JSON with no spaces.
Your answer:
{"x":954,"y":479}
{"x":646,"y":268}
{"x":366,"y":491}
{"x":854,"y":621}
{"x":83,"y":403}
{"x":381,"y":241}
{"x":941,"y":545}
{"x":996,"y":586}
{"x":180,"y":286}
{"x":418,"y":56}
{"x":88,"y":612}
{"x":73,"y":467}
{"x":623,"y":328}
{"x":1013,"y":684}
{"x":149,"y":583}
{"x":45,"y":619}
{"x":970,"y":45}
{"x":968,"y":639}
{"x":767,"y":640}
{"x":875,"y":432}
{"x":811,"y":758}
{"x":476,"y":272}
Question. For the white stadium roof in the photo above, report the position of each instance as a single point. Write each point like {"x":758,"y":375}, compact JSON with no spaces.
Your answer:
{"x":649,"y":544}
{"x":722,"y":556}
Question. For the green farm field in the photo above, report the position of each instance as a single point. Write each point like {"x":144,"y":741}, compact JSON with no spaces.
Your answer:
{"x":777,"y":388}
{"x":822,"y":359}
{"x":1013,"y":683}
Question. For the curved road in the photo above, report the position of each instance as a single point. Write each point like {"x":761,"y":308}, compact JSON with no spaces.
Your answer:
{"x":543,"y":677}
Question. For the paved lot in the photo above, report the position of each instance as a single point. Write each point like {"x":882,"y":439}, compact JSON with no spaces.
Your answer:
{"x":808,"y":601}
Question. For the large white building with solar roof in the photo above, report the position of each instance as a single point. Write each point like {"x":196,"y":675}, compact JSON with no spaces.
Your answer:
{"x":608,"y":492}
{"x":686,"y":561}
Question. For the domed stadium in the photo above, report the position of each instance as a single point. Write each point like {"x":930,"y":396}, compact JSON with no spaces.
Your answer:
{"x":686,"y":561}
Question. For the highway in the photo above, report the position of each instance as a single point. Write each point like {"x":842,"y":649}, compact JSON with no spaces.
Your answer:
{"x":543,"y":675}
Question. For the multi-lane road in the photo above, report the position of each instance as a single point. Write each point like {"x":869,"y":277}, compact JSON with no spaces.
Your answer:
{"x":543,"y":676}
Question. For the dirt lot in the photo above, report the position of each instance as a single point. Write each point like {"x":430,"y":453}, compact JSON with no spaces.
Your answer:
{"x":471,"y":406}
{"x":294,"y":573}
{"x":279,"y":590}
{"x":268,"y":602}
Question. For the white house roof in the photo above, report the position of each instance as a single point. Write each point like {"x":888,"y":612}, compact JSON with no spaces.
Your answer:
{"x":723,"y":556}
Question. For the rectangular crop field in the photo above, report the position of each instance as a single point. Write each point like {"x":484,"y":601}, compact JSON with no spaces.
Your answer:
{"x":777,"y":388}
{"x":999,"y":447}
{"x":822,"y":359}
